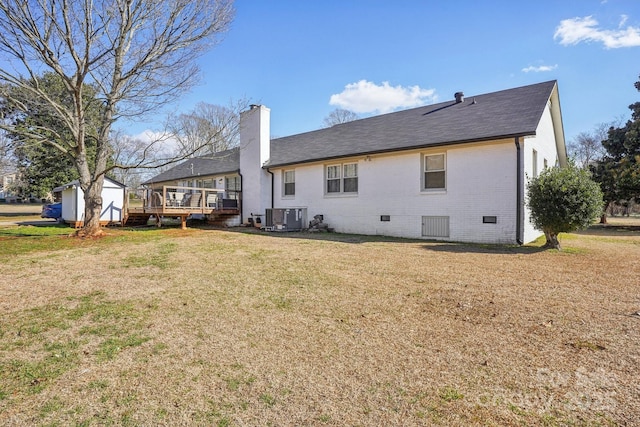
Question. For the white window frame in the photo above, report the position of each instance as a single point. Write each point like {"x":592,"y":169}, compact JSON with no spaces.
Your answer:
{"x":425,"y":171}
{"x":349,"y":175}
{"x":340,"y":177}
{"x":232,"y":183}
{"x":534,"y":163}
{"x":288,"y":177}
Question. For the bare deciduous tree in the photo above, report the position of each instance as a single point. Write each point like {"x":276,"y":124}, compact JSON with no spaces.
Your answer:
{"x":5,"y":154}
{"x":128,"y":150}
{"x":207,"y":129}
{"x":339,"y":116}
{"x":587,"y":147}
{"x":138,"y":54}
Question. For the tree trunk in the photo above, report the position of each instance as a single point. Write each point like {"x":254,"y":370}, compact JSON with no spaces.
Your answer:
{"x":603,"y":218}
{"x":552,"y":241}
{"x":92,"y":210}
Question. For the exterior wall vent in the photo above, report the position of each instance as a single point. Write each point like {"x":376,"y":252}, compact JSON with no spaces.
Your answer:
{"x":435,"y":226}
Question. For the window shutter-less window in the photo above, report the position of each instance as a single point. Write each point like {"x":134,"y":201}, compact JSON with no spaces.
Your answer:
{"x":333,"y":179}
{"x":351,"y":178}
{"x":289,"y":183}
{"x":434,"y":174}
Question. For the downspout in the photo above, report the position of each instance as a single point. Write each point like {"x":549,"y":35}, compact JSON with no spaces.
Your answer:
{"x":272,"y":190}
{"x":519,"y":191}
{"x":241,"y":198}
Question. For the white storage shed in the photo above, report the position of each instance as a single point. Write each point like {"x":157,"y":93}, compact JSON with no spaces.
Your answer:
{"x":113,"y":202}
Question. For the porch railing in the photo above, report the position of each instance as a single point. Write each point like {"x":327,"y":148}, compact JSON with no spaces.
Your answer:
{"x":196,"y":200}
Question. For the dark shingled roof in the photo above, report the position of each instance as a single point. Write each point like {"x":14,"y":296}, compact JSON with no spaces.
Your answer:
{"x":497,"y":115}
{"x":224,"y":162}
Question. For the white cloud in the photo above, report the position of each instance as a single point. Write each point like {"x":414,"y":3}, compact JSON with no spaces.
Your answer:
{"x":577,"y":30}
{"x":367,"y":97}
{"x":623,"y":20}
{"x":163,"y":143}
{"x":540,"y":68}
{"x":151,"y":137}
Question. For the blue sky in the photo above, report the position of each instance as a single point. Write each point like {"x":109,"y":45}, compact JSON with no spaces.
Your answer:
{"x":303,"y":59}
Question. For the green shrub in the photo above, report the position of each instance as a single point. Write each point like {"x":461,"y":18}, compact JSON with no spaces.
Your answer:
{"x":563,"y":200}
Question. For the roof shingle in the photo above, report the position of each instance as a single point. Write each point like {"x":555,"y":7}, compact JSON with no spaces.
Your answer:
{"x":497,"y":115}
{"x":224,"y":162}
{"x":507,"y":113}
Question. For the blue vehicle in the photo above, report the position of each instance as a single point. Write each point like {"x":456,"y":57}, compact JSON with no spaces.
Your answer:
{"x":52,"y":210}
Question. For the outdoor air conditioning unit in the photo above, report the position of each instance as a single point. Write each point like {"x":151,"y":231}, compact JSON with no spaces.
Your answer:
{"x":286,"y":219}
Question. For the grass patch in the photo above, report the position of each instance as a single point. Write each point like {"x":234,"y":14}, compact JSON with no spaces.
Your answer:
{"x":159,"y":257}
{"x":51,"y":238}
{"x":12,"y":243}
{"x":36,"y":231}
{"x":51,"y":406}
{"x":234,"y":383}
{"x":110,"y":348}
{"x":39,"y":348}
{"x":516,"y":410}
{"x":98,"y":384}
{"x":268,"y":399}
{"x":281,"y":302}
{"x":450,"y":394}
{"x":32,"y":377}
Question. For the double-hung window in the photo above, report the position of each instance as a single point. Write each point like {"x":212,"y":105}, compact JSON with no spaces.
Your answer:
{"x":434,"y":172}
{"x":232,"y":183}
{"x":350,"y":178}
{"x":342,"y":178}
{"x":289,"y":183}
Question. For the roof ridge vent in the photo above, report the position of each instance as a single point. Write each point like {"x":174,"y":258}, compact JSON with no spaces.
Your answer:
{"x":459,"y":97}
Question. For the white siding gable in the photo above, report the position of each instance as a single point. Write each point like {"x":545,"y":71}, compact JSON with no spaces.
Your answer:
{"x":544,"y":144}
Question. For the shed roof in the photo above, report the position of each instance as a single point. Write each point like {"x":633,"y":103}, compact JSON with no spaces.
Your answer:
{"x":497,"y":115}
{"x":76,"y":183}
{"x":224,"y":162}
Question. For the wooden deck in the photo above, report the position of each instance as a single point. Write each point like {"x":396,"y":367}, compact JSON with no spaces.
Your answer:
{"x":181,"y":202}
{"x":140,"y":216}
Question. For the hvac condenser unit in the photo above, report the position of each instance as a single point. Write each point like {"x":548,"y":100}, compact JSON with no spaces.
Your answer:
{"x":289,"y":219}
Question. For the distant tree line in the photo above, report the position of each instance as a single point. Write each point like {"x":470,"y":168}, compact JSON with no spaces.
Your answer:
{"x":611,"y":152}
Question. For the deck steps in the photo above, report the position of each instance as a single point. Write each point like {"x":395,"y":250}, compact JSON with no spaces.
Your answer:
{"x":137,"y":220}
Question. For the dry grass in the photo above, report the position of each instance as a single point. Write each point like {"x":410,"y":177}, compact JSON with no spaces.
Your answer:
{"x":211,"y":327}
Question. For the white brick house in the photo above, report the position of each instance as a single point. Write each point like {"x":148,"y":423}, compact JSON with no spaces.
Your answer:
{"x":453,"y":171}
